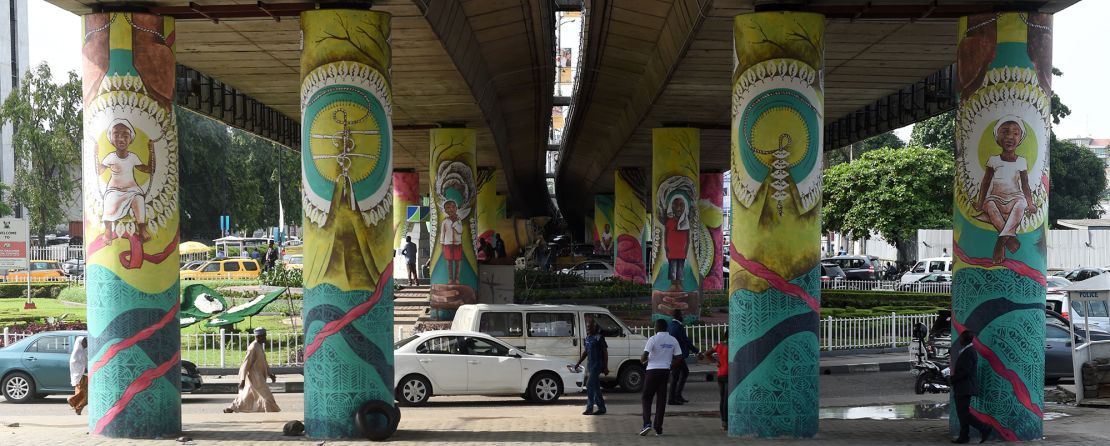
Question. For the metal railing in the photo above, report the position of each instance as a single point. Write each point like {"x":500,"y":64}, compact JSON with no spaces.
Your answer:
{"x":226,"y":350}
{"x":10,"y":337}
{"x":887,"y":285}
{"x":60,"y":253}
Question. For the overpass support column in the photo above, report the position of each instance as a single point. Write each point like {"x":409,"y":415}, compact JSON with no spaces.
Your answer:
{"x":130,"y":173}
{"x":1004,"y":64}
{"x":406,"y":192}
{"x":711,"y":208}
{"x":681,"y":244}
{"x":487,"y":206}
{"x":629,"y":215}
{"x":347,"y":164}
{"x":603,"y":224}
{"x":774,"y":286}
{"x":454,"y":227}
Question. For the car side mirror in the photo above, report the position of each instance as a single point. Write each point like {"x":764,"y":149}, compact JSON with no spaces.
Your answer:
{"x":514,"y":354}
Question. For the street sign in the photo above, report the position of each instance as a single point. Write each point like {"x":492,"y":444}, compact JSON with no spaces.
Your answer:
{"x":416,"y":214}
{"x":13,"y":243}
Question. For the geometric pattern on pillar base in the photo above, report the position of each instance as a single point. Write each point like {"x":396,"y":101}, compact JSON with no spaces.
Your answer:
{"x":347,"y":166}
{"x":1004,"y":64}
{"x":129,"y":174}
{"x":774,"y":289}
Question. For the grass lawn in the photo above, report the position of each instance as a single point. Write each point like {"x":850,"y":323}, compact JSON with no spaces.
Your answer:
{"x":12,"y":312}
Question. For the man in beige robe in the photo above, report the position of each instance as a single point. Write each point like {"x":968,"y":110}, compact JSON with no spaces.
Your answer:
{"x":254,"y":394}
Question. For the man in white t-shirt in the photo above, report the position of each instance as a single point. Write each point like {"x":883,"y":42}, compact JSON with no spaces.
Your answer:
{"x":660,"y":354}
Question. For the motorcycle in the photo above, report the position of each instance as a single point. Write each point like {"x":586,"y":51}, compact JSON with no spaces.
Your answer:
{"x":929,"y":376}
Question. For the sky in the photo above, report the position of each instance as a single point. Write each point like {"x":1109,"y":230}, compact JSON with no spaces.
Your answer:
{"x":55,"y":37}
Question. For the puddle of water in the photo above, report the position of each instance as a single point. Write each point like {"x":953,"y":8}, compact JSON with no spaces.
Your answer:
{"x":930,"y":411}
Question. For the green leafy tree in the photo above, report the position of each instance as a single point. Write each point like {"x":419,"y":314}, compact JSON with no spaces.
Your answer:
{"x":938,"y":132}
{"x":47,"y":129}
{"x":5,"y":208}
{"x":893,"y":192}
{"x":847,"y":153}
{"x":1077,"y":181}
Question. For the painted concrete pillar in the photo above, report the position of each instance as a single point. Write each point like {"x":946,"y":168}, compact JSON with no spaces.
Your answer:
{"x":629,"y":223}
{"x":487,"y":206}
{"x":774,"y":282}
{"x":454,"y":226}
{"x":1004,"y":64}
{"x":682,"y":248}
{"x":130,"y":176}
{"x":406,"y":192}
{"x":603,"y":224}
{"x":711,"y":207}
{"x":347,"y":165}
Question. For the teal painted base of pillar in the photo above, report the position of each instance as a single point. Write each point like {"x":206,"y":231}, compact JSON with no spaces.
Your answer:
{"x":774,"y":362}
{"x":348,"y":357}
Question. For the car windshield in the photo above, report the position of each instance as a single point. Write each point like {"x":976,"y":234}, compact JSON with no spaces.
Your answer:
{"x":1057,"y":282}
{"x":41,"y":266}
{"x":401,"y":343}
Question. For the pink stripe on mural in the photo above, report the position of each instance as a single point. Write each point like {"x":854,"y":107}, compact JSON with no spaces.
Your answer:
{"x":777,"y":282}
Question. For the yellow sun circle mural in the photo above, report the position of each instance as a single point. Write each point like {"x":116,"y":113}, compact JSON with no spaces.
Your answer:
{"x":340,"y":132}
{"x":768,"y":130}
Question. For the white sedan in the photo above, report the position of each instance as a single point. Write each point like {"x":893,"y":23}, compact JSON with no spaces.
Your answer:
{"x":449,"y":362}
{"x":591,"y":270}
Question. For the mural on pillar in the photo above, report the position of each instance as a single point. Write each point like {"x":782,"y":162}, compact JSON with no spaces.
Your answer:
{"x":603,"y":224}
{"x":454,"y":227}
{"x":774,"y":288}
{"x":347,"y":170}
{"x":712,"y":216}
{"x":406,"y":192}
{"x":487,"y":207}
{"x":629,"y":224}
{"x":130,"y":177}
{"x":681,"y":247}
{"x":1004,"y":72}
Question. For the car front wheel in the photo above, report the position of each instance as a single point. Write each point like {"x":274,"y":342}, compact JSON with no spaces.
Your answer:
{"x":18,"y":388}
{"x":545,"y":388}
{"x":413,"y":390}
{"x":631,"y":378}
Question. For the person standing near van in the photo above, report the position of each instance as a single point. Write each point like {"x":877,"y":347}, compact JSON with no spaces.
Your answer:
{"x":681,"y":370}
{"x":721,"y":353}
{"x":660,"y":354}
{"x":596,"y":353}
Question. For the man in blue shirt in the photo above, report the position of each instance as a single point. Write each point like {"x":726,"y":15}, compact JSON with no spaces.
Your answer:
{"x":681,"y":370}
{"x":596,"y":352}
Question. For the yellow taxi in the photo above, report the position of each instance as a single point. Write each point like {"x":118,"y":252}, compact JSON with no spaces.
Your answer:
{"x":295,"y":261}
{"x":41,"y":271}
{"x":224,"y":269}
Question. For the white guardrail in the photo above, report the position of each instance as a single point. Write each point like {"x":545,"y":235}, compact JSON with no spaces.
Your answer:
{"x":887,"y":285}
{"x":226,"y":350}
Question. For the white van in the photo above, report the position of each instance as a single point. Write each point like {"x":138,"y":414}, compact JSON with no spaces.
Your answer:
{"x":558,"y":330}
{"x":928,"y":266}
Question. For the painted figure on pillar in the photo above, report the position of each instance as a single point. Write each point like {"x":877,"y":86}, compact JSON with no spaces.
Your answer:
{"x":347,"y":170}
{"x":682,"y":247}
{"x":629,"y":217}
{"x":454,"y":266}
{"x":130,"y":177}
{"x":1000,"y":220}
{"x":603,"y":229}
{"x":774,"y":287}
{"x":712,"y":216}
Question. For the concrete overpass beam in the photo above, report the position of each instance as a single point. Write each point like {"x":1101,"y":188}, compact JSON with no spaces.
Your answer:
{"x":1004,"y":64}
{"x":347,"y":164}
{"x":774,"y":289}
{"x":130,"y":175}
{"x":454,"y":193}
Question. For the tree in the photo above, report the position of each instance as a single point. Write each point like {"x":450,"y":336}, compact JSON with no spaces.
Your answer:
{"x":938,"y":132}
{"x":1077,"y":181}
{"x":5,"y":208}
{"x":877,"y":193}
{"x":847,"y":153}
{"x":47,"y":129}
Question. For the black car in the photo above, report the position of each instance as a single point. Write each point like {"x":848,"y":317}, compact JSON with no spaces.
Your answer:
{"x":932,"y":283}
{"x":832,"y":276}
{"x":858,"y":267}
{"x":1081,"y":274}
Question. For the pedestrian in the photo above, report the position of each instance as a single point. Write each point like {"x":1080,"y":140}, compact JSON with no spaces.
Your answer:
{"x":661,"y":352}
{"x":944,"y":252}
{"x":409,"y":251}
{"x":79,"y":374}
{"x":596,"y":354}
{"x":271,"y":256}
{"x":965,"y":384}
{"x":498,"y":246}
{"x":720,"y":354}
{"x":254,"y":394}
{"x":681,"y":370}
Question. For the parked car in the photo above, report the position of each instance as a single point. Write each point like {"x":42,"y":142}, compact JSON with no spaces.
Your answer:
{"x":1094,"y":312}
{"x":224,"y":269}
{"x":832,"y":276}
{"x":295,"y":261}
{"x":38,"y":365}
{"x":928,"y":266}
{"x":41,"y":271}
{"x":591,"y":269}
{"x":932,"y":283}
{"x":456,"y":362}
{"x":74,"y":268}
{"x":557,"y":331}
{"x":858,"y":267}
{"x":193,"y":265}
{"x":1058,"y":360}
{"x":1081,"y":274}
{"x":1055,"y":283}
